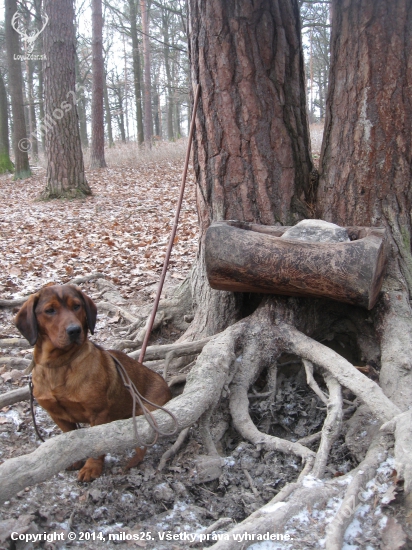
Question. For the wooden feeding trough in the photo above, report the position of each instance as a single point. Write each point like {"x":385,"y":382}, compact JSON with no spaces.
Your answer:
{"x":248,"y":257}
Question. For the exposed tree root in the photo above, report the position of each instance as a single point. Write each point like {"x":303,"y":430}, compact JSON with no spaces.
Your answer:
{"x":312,"y":382}
{"x":363,"y":473}
{"x":331,"y":427}
{"x":276,"y":513}
{"x":395,"y":328}
{"x":368,"y":391}
{"x":401,"y":427}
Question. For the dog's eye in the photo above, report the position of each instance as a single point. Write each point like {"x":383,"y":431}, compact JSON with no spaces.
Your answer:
{"x":76,"y":307}
{"x":50,"y":311}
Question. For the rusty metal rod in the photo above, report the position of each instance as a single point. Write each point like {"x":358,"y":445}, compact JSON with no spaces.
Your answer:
{"x":174,"y":229}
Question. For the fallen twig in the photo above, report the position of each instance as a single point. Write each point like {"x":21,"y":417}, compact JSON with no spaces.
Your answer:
{"x":173,"y":449}
{"x":14,"y":396}
{"x":185,"y":348}
{"x":15,"y":362}
{"x":14,"y":343}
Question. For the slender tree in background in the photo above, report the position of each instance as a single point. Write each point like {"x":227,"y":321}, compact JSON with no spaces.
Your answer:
{"x":97,"y":149}
{"x":20,"y":142}
{"x":65,"y":168}
{"x":137,"y":70}
{"x":148,"y":121}
{"x":5,"y":163}
{"x":39,"y":47}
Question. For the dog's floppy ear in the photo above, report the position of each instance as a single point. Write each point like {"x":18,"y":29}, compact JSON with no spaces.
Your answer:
{"x":26,"y":320}
{"x":91,"y":310}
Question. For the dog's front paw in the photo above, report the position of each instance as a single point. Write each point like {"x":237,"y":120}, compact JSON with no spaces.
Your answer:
{"x":91,"y":470}
{"x":137,"y":458}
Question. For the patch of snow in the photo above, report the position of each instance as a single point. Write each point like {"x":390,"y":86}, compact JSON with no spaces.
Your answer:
{"x":272,"y":507}
{"x":310,"y":481}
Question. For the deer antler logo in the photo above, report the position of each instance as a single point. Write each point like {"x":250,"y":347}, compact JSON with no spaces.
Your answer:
{"x":29,"y":39}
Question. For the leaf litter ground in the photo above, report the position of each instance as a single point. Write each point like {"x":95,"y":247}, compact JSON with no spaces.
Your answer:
{"x":122,"y":231}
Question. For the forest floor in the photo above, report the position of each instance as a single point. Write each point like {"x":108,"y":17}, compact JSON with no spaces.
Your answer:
{"x":121,"y":231}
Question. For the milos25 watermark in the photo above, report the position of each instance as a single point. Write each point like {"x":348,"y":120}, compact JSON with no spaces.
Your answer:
{"x":28,"y":39}
{"x":50,"y":120}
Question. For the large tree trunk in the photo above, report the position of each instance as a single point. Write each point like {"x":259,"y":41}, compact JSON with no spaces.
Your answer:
{"x":97,"y":149}
{"x":251,"y":148}
{"x":21,"y":144}
{"x":5,"y":163}
{"x":366,"y":158}
{"x":65,"y":168}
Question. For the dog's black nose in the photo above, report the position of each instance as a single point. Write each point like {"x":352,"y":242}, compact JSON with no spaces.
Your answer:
{"x":74,"y":331}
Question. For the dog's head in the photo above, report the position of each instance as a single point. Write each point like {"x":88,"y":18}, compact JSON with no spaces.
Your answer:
{"x":63,"y":314}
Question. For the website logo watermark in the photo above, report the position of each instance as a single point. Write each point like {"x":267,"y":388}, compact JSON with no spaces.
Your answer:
{"x":28,"y":39}
{"x":50,"y":120}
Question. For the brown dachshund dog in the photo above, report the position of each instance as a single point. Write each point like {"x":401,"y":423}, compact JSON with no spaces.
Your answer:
{"x":74,"y":380}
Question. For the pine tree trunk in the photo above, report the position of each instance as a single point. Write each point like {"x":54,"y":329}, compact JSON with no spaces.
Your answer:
{"x":366,"y":160}
{"x":21,"y":144}
{"x":97,"y":159}
{"x":148,"y":121}
{"x":81,"y":106}
{"x":65,"y":168}
{"x":251,"y":147}
{"x":108,"y":113}
{"x":32,"y":110}
{"x":40,"y":47}
{"x":166,"y":53}
{"x":137,"y":71}
{"x":5,"y":163}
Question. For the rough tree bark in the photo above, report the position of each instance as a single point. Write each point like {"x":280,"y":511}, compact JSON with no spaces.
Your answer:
{"x":65,"y":168}
{"x":97,"y":149}
{"x":251,"y":149}
{"x":5,"y":163}
{"x":366,"y":158}
{"x":21,"y":144}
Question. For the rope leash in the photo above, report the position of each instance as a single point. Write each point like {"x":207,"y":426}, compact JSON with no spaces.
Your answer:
{"x":33,"y":415}
{"x":138,"y":398}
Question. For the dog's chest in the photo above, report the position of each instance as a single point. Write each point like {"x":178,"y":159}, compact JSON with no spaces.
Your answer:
{"x":65,"y":398}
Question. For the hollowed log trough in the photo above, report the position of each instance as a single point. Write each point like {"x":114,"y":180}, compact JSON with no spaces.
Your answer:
{"x":248,"y":257}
